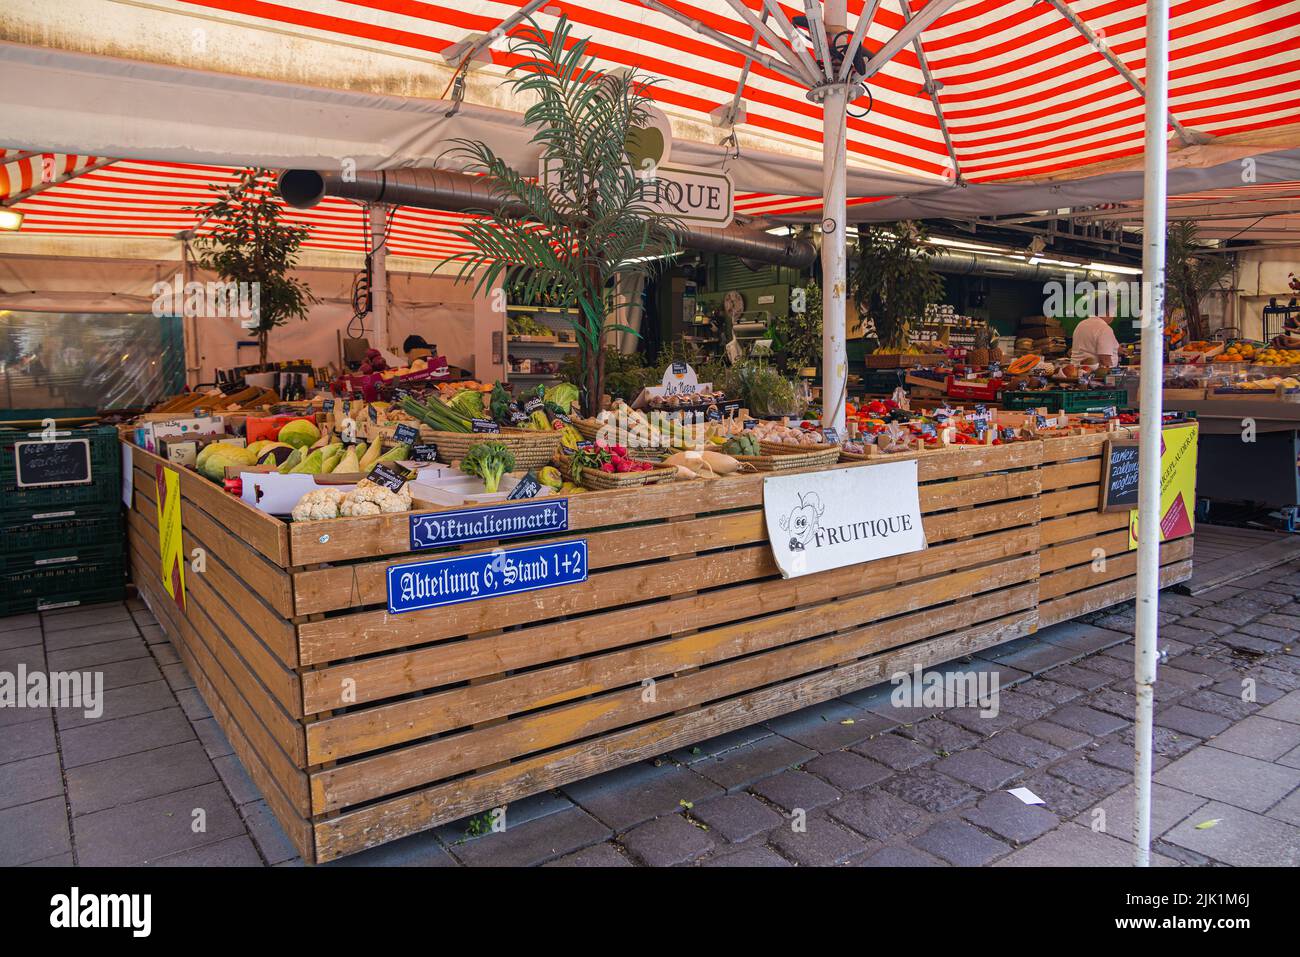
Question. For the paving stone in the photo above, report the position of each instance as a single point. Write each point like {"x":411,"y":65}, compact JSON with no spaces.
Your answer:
{"x":1291,"y":759}
{"x":1249,"y":643}
{"x":829,"y":726}
{"x":232,"y":852}
{"x":152,"y":634}
{"x":753,"y":854}
{"x":940,"y":736}
{"x":741,"y":767}
{"x":1105,"y":665}
{"x":986,"y":772}
{"x":120,"y":703}
{"x":878,"y":815}
{"x":58,"y":860}
{"x":33,"y":831}
{"x":1288,"y":809}
{"x":1027,"y":707}
{"x":1179,"y":604}
{"x":1288,"y":623}
{"x":113,"y":739}
{"x":868,"y":698}
{"x":120,"y":674}
{"x":1059,"y":796}
{"x":668,"y":840}
{"x":89,"y":657}
{"x":1278,"y":678}
{"x":1259,"y":737}
{"x":980,"y":721}
{"x":1235,"y":687}
{"x":1088,"y":720}
{"x":213,"y":739}
{"x":1073,"y":846}
{"x":12,"y":716}
{"x":1085,"y":679}
{"x":273,"y":844}
{"x":164,"y":652}
{"x":930,"y":790}
{"x":31,"y":779}
{"x":1187,"y":634}
{"x":20,"y":622}
{"x":416,"y":850}
{"x":1021,"y":749}
{"x":638,"y":792}
{"x":1189,"y":680}
{"x":27,"y":740}
{"x":1081,"y":637}
{"x":1222,"y":593}
{"x":235,"y":777}
{"x":19,"y":638}
{"x":1240,"y":838}
{"x":1212,"y":625}
{"x":1285,"y":709}
{"x":91,"y":615}
{"x":1234,"y":709}
{"x":1089,"y":775}
{"x":31,"y":657}
{"x":1168,"y":807}
{"x":1067,"y":739}
{"x":895,"y":751}
{"x":1120,"y":756}
{"x":960,"y":844}
{"x":1050,"y":691}
{"x":148,"y":830}
{"x":135,"y":777}
{"x":1199,"y":724}
{"x":177,"y":677}
{"x":822,"y":843}
{"x":737,"y":817}
{"x":539,"y":840}
{"x":598,"y":855}
{"x":1011,"y":818}
{"x":192,"y":704}
{"x":1166,"y":742}
{"x":1199,"y":663}
{"x":900,"y":857}
{"x":516,"y":813}
{"x":1232,"y":778}
{"x":848,"y":771}
{"x":796,"y":789}
{"x":713,"y":747}
{"x":1116,"y":702}
{"x":1035,"y":658}
{"x":1223,"y":614}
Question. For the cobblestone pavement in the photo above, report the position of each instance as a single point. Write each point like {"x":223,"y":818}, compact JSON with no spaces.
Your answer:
{"x":868,"y":783}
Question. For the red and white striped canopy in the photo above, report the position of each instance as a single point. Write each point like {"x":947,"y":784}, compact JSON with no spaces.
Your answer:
{"x":1024,"y":95}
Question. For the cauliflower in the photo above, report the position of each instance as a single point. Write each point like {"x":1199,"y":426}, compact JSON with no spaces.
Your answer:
{"x":371,"y":499}
{"x":315,"y":506}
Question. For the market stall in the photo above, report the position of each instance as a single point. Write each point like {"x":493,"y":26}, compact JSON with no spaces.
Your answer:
{"x":361,"y":723}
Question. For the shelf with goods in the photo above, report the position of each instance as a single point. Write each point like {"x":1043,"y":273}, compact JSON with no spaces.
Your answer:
{"x":467,"y":704}
{"x":537,"y":340}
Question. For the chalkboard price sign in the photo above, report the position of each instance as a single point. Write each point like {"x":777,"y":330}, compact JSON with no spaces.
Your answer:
{"x":61,"y":462}
{"x":1119,"y":487}
{"x":425,"y":452}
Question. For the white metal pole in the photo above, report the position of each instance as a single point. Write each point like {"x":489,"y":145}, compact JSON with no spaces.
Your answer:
{"x":834,"y":260}
{"x":1149,"y":405}
{"x":379,"y":277}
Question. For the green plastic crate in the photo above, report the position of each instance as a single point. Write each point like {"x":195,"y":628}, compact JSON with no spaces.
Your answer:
{"x":104,"y":488}
{"x":98,"y":575}
{"x":1063,"y":400}
{"x":84,"y":527}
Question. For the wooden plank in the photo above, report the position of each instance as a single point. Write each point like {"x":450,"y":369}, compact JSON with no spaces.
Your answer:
{"x":267,"y":534}
{"x":1103,"y":596}
{"x":373,"y":728}
{"x":1067,"y":474}
{"x":385,"y":676}
{"x":1081,"y":525}
{"x":410,"y":813}
{"x":372,"y":777}
{"x":374,"y":631}
{"x":1069,"y":501}
{"x":1085,"y":576}
{"x":1057,"y":557}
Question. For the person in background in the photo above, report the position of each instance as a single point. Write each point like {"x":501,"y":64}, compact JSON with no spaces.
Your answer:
{"x":416,"y":348}
{"x":1094,"y":344}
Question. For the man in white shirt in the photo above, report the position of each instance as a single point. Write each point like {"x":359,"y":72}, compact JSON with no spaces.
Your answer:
{"x":1094,"y":343}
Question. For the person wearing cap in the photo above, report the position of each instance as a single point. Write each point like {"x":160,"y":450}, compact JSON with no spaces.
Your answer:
{"x":416,"y":348}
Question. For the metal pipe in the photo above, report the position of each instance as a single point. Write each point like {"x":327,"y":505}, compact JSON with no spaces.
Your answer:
{"x":920,"y":20}
{"x":835,"y":360}
{"x":797,"y":43}
{"x":761,"y":29}
{"x":458,"y":192}
{"x":1154,"y":197}
{"x":859,"y":36}
{"x":775,"y":64}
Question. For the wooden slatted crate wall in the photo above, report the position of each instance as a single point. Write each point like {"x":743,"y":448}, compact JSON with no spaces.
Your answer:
{"x":1086,"y":562}
{"x":360,"y":726}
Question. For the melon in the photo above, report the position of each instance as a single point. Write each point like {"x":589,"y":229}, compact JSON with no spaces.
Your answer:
{"x":1024,"y":364}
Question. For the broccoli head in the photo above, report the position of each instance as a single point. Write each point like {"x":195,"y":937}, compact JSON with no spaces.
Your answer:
{"x":489,"y":461}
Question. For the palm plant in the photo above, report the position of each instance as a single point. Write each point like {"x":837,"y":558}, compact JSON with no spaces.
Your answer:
{"x":894,"y":279}
{"x":573,"y":235}
{"x":1191,"y":272}
{"x":250,"y":244}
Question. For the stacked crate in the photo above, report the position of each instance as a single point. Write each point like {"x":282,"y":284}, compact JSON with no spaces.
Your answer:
{"x":61,"y":545}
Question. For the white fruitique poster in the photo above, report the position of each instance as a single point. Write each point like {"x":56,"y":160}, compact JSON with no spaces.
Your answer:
{"x":822,"y":520}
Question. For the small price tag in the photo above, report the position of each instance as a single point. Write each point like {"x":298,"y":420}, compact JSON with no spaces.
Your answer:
{"x":405,"y":434}
{"x":679,"y":368}
{"x":751,"y":423}
{"x":831,"y":436}
{"x":731,"y":408}
{"x":389,"y":475}
{"x":561,"y":417}
{"x":374,"y":413}
{"x":199,"y":413}
{"x":586,"y":445}
{"x":484,"y":425}
{"x":533,"y":404}
{"x":528,"y":487}
{"x":328,"y":406}
{"x":426,"y":452}
{"x":714,"y":414}
{"x":349,"y":432}
{"x":347,"y":406}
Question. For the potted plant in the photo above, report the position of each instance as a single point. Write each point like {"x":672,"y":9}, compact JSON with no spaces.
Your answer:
{"x":249,"y":243}
{"x":579,"y":235}
{"x":1191,"y":272}
{"x":800,"y":333}
{"x":894,"y":281}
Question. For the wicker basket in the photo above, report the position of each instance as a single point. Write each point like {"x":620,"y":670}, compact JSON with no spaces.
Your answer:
{"x":795,"y":457}
{"x":596,"y":479}
{"x":589,"y":429}
{"x":531,"y":449}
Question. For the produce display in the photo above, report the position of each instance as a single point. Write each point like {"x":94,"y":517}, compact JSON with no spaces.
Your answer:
{"x":488,"y":461}
{"x":526,"y":325}
{"x":367,"y":498}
